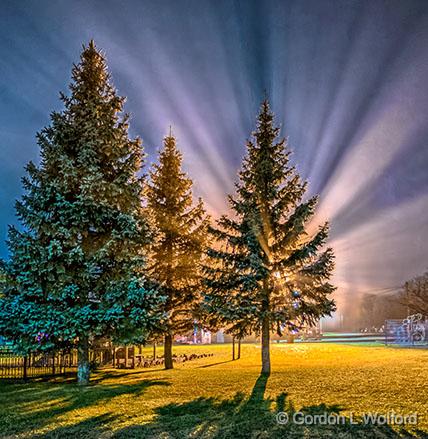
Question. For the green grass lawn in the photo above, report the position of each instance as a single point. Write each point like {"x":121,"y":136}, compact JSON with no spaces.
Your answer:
{"x":218,"y":398}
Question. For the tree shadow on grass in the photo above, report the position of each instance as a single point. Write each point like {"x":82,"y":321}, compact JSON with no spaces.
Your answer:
{"x":34,"y":409}
{"x":214,"y":364}
{"x":252,"y":418}
{"x":92,"y":428}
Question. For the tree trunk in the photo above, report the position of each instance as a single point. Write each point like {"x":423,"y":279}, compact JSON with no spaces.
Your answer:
{"x":168,"y":351}
{"x":233,"y":348}
{"x":53,"y":363}
{"x":239,"y":348}
{"x":126,"y":356}
{"x":83,"y":369}
{"x":25,"y":368}
{"x":265,"y":346}
{"x":154,"y":350}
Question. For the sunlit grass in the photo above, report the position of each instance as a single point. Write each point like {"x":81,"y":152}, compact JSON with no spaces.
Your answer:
{"x":210,"y":397}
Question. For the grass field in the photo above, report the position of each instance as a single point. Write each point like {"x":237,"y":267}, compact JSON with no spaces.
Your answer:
{"x":218,"y":398}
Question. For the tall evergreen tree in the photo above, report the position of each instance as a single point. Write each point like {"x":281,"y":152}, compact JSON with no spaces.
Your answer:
{"x":181,"y":234}
{"x":266,"y":273}
{"x":74,"y":272}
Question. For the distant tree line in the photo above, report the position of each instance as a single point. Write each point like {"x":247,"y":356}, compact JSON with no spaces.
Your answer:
{"x":411,"y":298}
{"x":105,"y":251}
{"x":376,"y":308}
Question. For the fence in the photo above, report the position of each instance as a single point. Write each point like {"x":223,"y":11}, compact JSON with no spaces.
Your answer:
{"x":14,"y":366}
{"x":412,"y":331}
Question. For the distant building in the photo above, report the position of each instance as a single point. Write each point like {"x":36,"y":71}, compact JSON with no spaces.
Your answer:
{"x":198,"y":336}
{"x":219,"y":336}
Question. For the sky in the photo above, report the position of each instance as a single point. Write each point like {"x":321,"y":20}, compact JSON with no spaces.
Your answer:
{"x":347,"y":80}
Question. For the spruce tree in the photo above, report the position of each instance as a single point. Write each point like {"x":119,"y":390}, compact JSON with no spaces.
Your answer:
{"x":74,"y":273}
{"x":265,"y":272}
{"x":180,"y":243}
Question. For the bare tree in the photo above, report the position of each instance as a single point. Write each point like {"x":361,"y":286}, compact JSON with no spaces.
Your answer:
{"x":415,"y":294}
